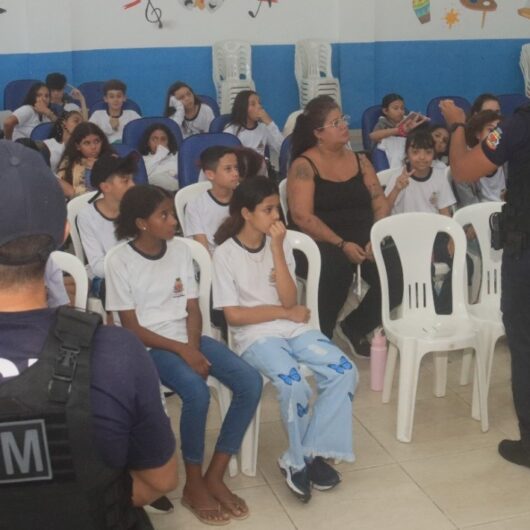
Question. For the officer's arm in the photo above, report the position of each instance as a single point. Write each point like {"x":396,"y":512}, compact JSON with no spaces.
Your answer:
{"x":150,"y":484}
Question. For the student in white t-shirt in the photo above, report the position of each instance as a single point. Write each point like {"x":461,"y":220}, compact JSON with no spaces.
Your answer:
{"x":112,"y":120}
{"x":158,"y":146}
{"x":205,"y":213}
{"x":252,"y":125}
{"x":111,"y":177}
{"x":254,"y":283}
{"x":34,"y":110}
{"x":61,"y":132}
{"x":151,"y":283}
{"x":440,"y":136}
{"x":184,"y":107}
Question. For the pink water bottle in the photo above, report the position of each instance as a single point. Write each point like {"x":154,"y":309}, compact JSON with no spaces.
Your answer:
{"x":378,"y":354}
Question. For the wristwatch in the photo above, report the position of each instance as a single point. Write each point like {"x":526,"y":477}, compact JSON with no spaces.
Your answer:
{"x":455,"y":126}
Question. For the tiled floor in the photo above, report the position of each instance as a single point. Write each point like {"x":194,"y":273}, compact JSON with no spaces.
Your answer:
{"x":449,"y":477}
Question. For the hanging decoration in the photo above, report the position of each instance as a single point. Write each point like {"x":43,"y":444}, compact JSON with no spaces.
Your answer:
{"x":486,"y":6}
{"x":451,"y":18}
{"x":422,"y":8}
{"x":210,"y":5}
{"x":525,"y":11}
{"x":152,"y":14}
{"x":254,"y":14}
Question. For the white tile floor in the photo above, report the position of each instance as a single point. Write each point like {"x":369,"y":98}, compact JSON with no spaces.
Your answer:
{"x":449,"y":477}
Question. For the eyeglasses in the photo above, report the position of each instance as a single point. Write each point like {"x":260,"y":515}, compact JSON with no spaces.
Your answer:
{"x":343,"y":120}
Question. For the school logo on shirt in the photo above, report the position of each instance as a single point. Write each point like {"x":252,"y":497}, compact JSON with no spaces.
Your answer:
{"x":493,"y":139}
{"x":272,"y":277}
{"x":434,"y":199}
{"x":178,"y":288}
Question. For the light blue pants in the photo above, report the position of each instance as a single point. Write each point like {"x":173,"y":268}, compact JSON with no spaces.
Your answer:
{"x":326,"y":430}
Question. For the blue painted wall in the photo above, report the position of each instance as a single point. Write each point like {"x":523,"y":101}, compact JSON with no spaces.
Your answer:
{"x":419,"y":70}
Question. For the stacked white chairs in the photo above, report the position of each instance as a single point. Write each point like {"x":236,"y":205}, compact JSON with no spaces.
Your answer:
{"x":71,"y":265}
{"x":524,"y":63}
{"x":486,"y":311}
{"x":418,"y":329}
{"x":313,"y":71}
{"x":232,"y":71}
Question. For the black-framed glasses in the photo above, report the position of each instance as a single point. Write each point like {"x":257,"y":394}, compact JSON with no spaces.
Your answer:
{"x":343,"y":120}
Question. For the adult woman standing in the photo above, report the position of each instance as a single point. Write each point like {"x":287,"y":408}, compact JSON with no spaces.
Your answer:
{"x":335,"y":197}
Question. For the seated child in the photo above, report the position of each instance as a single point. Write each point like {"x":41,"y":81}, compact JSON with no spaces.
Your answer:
{"x":206,"y":212}
{"x":254,"y":283}
{"x":34,"y":110}
{"x":60,"y":101}
{"x":151,"y":283}
{"x":113,"y":119}
{"x":111,"y":177}
{"x":85,"y":145}
{"x":478,"y":128}
{"x":159,"y":149}
{"x":440,"y":136}
{"x":61,"y":132}
{"x":252,"y":125}
{"x":185,"y":108}
{"x":485,"y":101}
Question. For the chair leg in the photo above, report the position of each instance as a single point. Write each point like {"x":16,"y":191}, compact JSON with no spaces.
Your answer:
{"x":481,"y":384}
{"x":440,"y":373}
{"x":491,"y":344}
{"x":389,"y":372}
{"x":465,"y":373}
{"x":409,"y":365}
{"x":249,"y":447}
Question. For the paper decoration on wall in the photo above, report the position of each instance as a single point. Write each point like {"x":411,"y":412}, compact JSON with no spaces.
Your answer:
{"x":452,"y":17}
{"x":486,"y":6}
{"x":422,"y":8}
{"x":152,"y":14}
{"x":210,"y":5}
{"x":525,"y":11}
{"x":254,"y":14}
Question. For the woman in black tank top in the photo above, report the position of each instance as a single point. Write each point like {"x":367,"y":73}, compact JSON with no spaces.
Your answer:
{"x":335,"y":197}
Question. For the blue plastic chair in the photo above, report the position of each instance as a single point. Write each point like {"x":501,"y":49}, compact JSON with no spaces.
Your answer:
{"x":93,"y":92}
{"x":379,"y":160}
{"x":122,"y":150}
{"x":510,"y":102}
{"x":15,"y":92}
{"x":208,"y":100}
{"x":134,"y":130}
{"x":433,"y":109}
{"x":285,"y":156}
{"x":42,"y":131}
{"x":129,"y":104}
{"x":368,"y":121}
{"x":218,"y":124}
{"x":191,"y":149}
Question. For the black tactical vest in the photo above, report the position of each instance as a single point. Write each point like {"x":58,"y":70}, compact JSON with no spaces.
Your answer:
{"x":51,"y":476}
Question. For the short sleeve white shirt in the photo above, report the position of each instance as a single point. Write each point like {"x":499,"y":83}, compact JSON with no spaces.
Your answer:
{"x":394,"y":148}
{"x":200,"y":123}
{"x":491,"y":187}
{"x":157,"y":288}
{"x":259,"y":137}
{"x":56,"y":151}
{"x":28,"y":119}
{"x":204,"y":215}
{"x":102,"y":119}
{"x":246,"y":279}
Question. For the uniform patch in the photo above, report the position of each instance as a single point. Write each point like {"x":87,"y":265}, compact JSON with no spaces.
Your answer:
{"x":493,"y":139}
{"x":178,"y":288}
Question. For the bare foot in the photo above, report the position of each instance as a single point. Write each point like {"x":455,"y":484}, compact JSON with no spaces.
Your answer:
{"x":234,"y":505}
{"x":204,"y":505}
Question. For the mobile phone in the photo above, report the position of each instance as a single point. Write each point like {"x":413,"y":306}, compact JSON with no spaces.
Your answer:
{"x":69,"y":88}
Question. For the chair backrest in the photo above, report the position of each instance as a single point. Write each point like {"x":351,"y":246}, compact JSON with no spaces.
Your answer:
{"x":510,"y":102}
{"x":312,"y":58}
{"x":185,"y":195}
{"x":203,"y":260}
{"x":415,"y":252}
{"x":231,"y":59}
{"x":208,"y":100}
{"x":42,"y":131}
{"x":73,"y":208}
{"x":368,"y":121}
{"x":190,"y":152}
{"x":385,"y":175}
{"x":93,"y":91}
{"x":129,"y":104}
{"x":140,"y":177}
{"x":433,"y":107}
{"x":219,"y":123}
{"x":15,"y":92}
{"x":285,"y":156}
{"x":379,"y":160}
{"x":478,"y":215}
{"x":282,"y":188}
{"x":306,"y":245}
{"x":70,"y":264}
{"x":135,"y":129}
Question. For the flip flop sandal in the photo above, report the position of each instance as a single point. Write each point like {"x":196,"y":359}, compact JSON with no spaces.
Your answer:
{"x":237,"y":504}
{"x":199,"y":513}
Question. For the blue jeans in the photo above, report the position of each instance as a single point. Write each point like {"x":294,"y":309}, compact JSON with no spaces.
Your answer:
{"x":243,"y":380}
{"x":326,"y":430}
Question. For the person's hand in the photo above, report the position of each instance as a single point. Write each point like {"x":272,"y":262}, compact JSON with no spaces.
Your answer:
{"x":76,"y":94}
{"x":470,"y":232}
{"x":368,"y":251}
{"x":354,"y":252}
{"x":403,"y":180}
{"x":299,"y":314}
{"x":196,"y":361}
{"x":41,"y":107}
{"x":413,"y":121}
{"x":277,"y":232}
{"x":263,"y":116}
{"x":451,"y":112}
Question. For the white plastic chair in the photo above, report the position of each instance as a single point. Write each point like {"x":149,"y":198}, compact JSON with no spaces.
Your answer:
{"x":419,"y":330}
{"x":73,"y":208}
{"x":524,"y":63}
{"x":487,"y":311}
{"x":385,"y":175}
{"x":303,"y":243}
{"x":72,"y":265}
{"x":185,"y":195}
